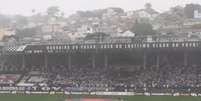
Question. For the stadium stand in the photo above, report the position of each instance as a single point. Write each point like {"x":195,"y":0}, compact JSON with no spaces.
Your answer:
{"x":9,"y":79}
{"x":158,"y":69}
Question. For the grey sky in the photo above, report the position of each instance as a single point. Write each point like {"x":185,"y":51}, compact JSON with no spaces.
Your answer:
{"x":70,"y":6}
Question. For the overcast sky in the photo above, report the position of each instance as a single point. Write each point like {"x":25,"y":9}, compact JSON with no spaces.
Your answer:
{"x":70,"y":6}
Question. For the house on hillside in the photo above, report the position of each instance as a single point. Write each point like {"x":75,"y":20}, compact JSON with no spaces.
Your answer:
{"x":121,"y":37}
{"x":86,"y":29}
{"x":126,"y":34}
{"x":51,"y":28}
{"x":74,"y":35}
{"x":191,"y":22}
{"x":197,"y":14}
{"x":143,"y":13}
{"x":6,"y":32}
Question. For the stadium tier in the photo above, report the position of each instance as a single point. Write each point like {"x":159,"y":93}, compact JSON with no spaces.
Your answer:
{"x":157,"y":67}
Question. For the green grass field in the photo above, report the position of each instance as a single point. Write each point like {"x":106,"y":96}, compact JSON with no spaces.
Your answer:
{"x":6,"y":97}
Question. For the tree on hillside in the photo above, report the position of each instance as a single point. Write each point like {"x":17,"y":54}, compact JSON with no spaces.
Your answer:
{"x":148,"y":6}
{"x":53,"y":11}
{"x":143,"y":29}
{"x":27,"y":32}
{"x":62,"y":14}
{"x":20,"y":21}
{"x":33,"y":11}
{"x":149,"y":9}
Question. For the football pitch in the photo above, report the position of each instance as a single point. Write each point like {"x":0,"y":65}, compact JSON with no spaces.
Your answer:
{"x":20,"y":97}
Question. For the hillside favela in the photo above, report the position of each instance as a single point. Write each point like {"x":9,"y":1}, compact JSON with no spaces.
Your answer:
{"x":107,"y":54}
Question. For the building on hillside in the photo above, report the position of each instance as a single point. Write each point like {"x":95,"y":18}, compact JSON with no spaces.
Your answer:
{"x":53,"y":25}
{"x":191,"y":22}
{"x":2,"y":33}
{"x":130,"y":14}
{"x":148,"y":12}
{"x":6,"y":32}
{"x":121,"y":37}
{"x":61,"y":37}
{"x":86,"y":29}
{"x":126,"y":34}
{"x":74,"y":35}
{"x":197,"y":14}
{"x":110,"y":12}
{"x":171,"y":26}
{"x":51,"y":28}
{"x":156,"y":26}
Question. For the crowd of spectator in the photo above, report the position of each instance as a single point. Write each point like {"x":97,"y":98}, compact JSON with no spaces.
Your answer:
{"x":119,"y":78}
{"x":114,"y":77}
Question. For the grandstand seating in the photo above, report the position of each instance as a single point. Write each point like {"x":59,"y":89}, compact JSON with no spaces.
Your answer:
{"x":125,"y":70}
{"x":8,"y":79}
